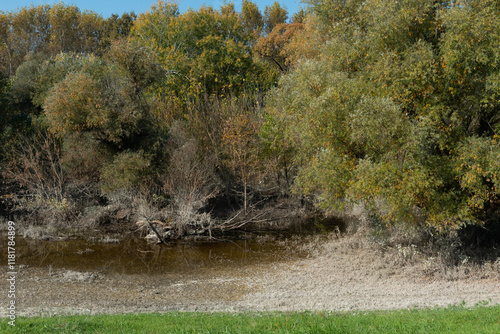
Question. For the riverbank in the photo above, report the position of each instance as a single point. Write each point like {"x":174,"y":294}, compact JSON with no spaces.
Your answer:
{"x":335,"y":275}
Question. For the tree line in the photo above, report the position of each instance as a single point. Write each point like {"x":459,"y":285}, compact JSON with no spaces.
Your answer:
{"x":393,"y":104}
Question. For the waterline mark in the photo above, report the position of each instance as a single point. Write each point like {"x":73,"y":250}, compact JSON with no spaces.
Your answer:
{"x":12,"y":273}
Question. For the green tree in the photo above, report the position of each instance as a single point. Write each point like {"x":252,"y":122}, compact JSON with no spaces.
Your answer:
{"x":251,"y":18}
{"x":99,"y":98}
{"x":396,"y":106}
{"x":204,"y":51}
{"x":274,"y":15}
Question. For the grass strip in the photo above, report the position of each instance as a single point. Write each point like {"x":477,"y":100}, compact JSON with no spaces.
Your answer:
{"x":455,"y":319}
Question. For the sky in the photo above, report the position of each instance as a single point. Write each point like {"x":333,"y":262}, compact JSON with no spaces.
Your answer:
{"x":108,"y":7}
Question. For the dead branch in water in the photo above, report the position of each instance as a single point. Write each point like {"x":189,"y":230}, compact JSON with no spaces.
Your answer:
{"x":229,"y":225}
{"x":151,"y":225}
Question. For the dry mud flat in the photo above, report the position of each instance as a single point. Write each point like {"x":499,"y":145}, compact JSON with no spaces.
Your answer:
{"x":338,"y":275}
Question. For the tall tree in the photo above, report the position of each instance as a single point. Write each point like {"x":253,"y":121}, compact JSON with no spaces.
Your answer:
{"x":252,"y":18}
{"x":274,"y":15}
{"x":116,"y":27}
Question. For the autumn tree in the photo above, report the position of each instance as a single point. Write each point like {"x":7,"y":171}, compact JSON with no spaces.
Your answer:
{"x":114,"y":28}
{"x":299,"y":16}
{"x":6,"y":60}
{"x":240,"y":145}
{"x":47,"y":29}
{"x":23,"y":32}
{"x":274,"y":47}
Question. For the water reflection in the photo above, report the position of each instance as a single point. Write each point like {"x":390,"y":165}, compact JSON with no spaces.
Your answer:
{"x":136,"y":256}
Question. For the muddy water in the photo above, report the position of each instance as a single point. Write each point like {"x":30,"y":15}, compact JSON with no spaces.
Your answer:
{"x":135,"y":256}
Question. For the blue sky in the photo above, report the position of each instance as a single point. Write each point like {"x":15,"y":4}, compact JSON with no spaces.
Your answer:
{"x":108,"y":7}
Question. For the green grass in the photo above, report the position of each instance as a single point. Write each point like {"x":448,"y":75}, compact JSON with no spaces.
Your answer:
{"x":457,"y":319}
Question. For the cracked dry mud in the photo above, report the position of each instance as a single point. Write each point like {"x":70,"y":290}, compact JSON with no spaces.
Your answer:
{"x":336,"y":277}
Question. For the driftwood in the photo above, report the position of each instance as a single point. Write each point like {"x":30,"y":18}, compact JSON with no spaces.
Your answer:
{"x":229,"y":225}
{"x":165,"y":231}
{"x":152,"y":226}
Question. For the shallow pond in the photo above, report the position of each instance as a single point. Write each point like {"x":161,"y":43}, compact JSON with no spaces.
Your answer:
{"x":136,"y":256}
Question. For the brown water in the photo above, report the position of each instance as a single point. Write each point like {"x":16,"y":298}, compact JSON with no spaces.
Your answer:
{"x":136,"y":256}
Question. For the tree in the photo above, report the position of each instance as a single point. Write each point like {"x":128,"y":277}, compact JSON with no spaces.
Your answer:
{"x":128,"y":170}
{"x":116,"y":27}
{"x":239,"y":142}
{"x":90,"y":26}
{"x":100,"y":98}
{"x":274,"y":15}
{"x":204,"y":51}
{"x":251,"y":18}
{"x":140,"y":63}
{"x":47,"y":29}
{"x":423,"y":71}
{"x":37,"y":166}
{"x":299,"y":16}
{"x":274,"y":47}
{"x":6,"y":56}
{"x":23,"y":32}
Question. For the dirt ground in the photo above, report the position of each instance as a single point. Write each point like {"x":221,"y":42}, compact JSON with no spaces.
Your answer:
{"x":340,"y":274}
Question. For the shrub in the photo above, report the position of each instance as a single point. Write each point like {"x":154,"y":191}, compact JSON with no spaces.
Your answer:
{"x":128,"y":170}
{"x":190,"y":178}
{"x":38,"y":168}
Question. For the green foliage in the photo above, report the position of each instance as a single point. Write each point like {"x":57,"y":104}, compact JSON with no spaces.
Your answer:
{"x":204,"y":51}
{"x":96,"y":98}
{"x":97,"y":106}
{"x":478,"y":170}
{"x":274,"y":15}
{"x":27,"y":85}
{"x":393,"y":103}
{"x":140,"y":63}
{"x":398,"y":108}
{"x":129,"y":170}
{"x":251,"y":18}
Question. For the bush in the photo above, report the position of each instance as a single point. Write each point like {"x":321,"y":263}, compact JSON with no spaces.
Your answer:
{"x":190,"y":178}
{"x":128,"y":170}
{"x":37,"y":167}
